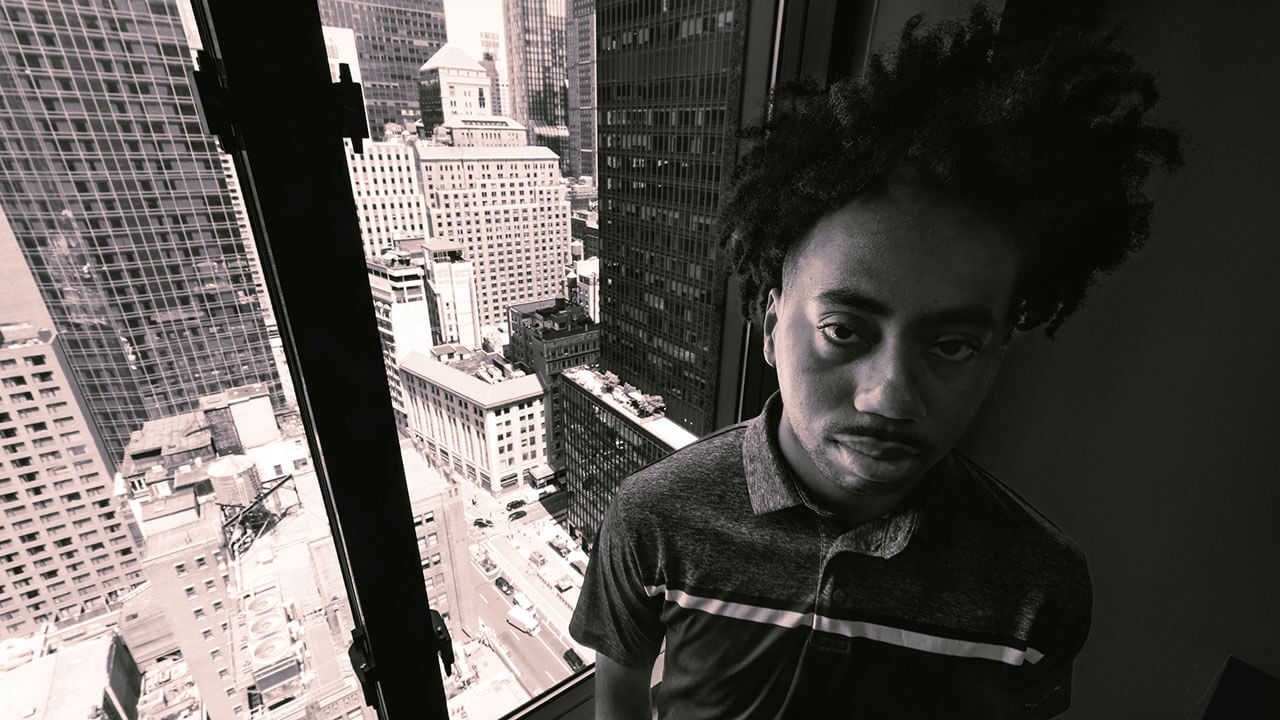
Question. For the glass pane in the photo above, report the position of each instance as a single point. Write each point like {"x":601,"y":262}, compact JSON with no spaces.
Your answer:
{"x":155,"y":481}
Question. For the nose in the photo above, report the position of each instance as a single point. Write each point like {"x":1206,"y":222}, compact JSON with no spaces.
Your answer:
{"x":886,"y":385}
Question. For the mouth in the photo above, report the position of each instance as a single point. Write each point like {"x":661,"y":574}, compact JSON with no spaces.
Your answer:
{"x":887,"y":451}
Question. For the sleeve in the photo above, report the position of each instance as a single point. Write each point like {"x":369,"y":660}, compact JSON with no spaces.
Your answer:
{"x":615,"y":614}
{"x":1040,"y":690}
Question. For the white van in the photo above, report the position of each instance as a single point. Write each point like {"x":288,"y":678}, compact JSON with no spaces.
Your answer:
{"x":522,"y":600}
{"x":522,"y":619}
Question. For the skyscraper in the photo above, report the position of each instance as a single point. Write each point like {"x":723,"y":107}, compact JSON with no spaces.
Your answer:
{"x":120,"y":205}
{"x":507,"y":208}
{"x":393,"y":39}
{"x":667,"y":106}
{"x":581,"y":44}
{"x":63,"y":548}
{"x":535,"y":32}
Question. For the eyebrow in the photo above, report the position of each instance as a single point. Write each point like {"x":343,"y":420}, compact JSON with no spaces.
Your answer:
{"x":974,"y":315}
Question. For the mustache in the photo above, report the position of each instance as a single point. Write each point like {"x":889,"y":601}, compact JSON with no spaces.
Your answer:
{"x":886,"y":434}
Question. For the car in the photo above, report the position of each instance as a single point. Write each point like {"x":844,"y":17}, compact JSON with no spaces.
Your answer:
{"x":564,"y":583}
{"x":482,"y":522}
{"x":537,"y":558}
{"x":504,"y":585}
{"x":515,"y":504}
{"x":561,"y":549}
{"x":575,"y":662}
{"x":516,"y":515}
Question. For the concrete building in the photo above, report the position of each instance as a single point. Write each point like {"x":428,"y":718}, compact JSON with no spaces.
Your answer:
{"x":490,"y":131}
{"x":584,"y":226}
{"x":386,"y":183}
{"x":451,"y":294}
{"x":611,"y":430}
{"x":580,"y":37}
{"x":535,"y":35}
{"x":89,"y":680}
{"x":476,"y":415}
{"x":403,"y":313}
{"x":242,"y":569}
{"x":664,"y":151}
{"x":393,"y":39}
{"x":187,"y":567}
{"x":141,"y":263}
{"x":64,"y":548}
{"x":548,"y":336}
{"x":587,"y":273}
{"x":507,"y":208}
{"x":452,"y":84}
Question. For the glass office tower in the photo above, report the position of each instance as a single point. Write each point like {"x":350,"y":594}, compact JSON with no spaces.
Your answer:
{"x":538,"y":71}
{"x":667,"y":99}
{"x":120,"y":205}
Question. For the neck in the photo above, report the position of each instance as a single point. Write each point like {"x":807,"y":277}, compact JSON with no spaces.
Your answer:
{"x":853,"y":508}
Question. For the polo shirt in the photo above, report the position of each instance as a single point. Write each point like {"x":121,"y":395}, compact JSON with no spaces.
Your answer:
{"x":964,"y":603}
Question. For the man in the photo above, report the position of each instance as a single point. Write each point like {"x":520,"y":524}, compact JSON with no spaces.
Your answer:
{"x":836,"y":556}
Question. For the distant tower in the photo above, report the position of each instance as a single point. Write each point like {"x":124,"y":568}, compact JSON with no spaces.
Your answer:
{"x":451,"y":85}
{"x":393,"y":39}
{"x":581,"y":44}
{"x":508,"y":210}
{"x":535,"y":33}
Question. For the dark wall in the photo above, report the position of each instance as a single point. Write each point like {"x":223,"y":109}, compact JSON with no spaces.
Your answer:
{"x":1148,"y":429}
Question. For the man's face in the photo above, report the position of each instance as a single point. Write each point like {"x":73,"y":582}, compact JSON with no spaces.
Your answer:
{"x":886,"y":334}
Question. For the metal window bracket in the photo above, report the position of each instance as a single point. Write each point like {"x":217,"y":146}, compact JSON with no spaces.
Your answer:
{"x":443,"y":641}
{"x":214,"y":105}
{"x":362,"y":662}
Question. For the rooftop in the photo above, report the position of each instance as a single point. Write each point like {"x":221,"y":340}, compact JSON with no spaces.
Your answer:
{"x":201,"y":528}
{"x":510,"y":152}
{"x":441,"y":245}
{"x":23,"y":335}
{"x":549,"y":319}
{"x":485,"y":121}
{"x":163,"y":437}
{"x":628,"y":405}
{"x":66,"y":684}
{"x":452,"y":57}
{"x":465,"y":375}
{"x":232,"y":395}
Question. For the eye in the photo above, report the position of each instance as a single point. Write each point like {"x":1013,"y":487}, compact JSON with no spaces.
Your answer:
{"x":955,"y":349}
{"x":839,"y":333}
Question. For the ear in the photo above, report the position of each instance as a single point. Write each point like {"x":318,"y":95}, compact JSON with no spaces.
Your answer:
{"x":770,"y":326}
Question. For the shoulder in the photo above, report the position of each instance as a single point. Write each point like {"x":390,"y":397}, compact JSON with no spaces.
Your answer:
{"x":1032,"y":556}
{"x":696,"y":475}
{"x":999,"y":508}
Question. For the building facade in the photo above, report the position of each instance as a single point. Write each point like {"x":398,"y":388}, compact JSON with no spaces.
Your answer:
{"x":64,"y":548}
{"x":120,"y":205}
{"x":667,"y":105}
{"x":451,"y":294}
{"x":537,"y":58}
{"x":611,"y":430}
{"x":452,"y":84}
{"x":506,"y":207}
{"x":403,"y":313}
{"x":387,"y":187}
{"x":483,"y":132}
{"x":581,"y":37}
{"x":549,"y":336}
{"x":476,"y":416}
{"x":393,"y":39}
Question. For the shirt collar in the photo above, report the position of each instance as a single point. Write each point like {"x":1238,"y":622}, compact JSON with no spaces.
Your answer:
{"x":772,"y":486}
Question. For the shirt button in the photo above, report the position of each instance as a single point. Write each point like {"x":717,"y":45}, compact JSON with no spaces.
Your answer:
{"x":840,"y":596}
